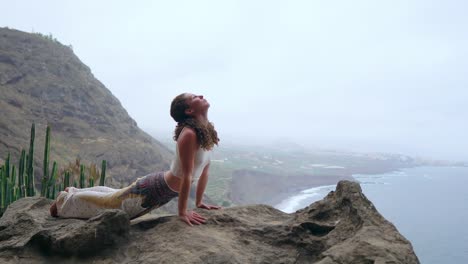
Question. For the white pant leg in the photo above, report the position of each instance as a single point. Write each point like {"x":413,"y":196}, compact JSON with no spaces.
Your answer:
{"x":78,"y":205}
{"x":103,"y":189}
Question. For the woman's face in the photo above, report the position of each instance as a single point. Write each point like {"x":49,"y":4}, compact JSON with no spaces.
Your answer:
{"x":197,"y":104}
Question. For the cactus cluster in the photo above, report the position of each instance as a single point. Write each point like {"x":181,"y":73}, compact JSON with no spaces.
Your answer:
{"x":14,"y":186}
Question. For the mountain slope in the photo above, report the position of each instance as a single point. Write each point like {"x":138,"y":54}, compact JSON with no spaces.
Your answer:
{"x":42,"y":81}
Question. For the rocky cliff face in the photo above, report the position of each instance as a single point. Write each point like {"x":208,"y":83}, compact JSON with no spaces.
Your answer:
{"x":342,"y":228}
{"x":42,"y":81}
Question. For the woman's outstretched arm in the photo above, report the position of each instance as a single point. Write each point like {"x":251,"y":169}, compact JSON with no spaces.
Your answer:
{"x":187,"y":144}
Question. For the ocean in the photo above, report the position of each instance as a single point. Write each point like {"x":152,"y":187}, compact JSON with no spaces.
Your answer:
{"x":428,"y":205}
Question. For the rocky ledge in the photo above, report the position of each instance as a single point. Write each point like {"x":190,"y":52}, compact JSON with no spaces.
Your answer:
{"x":344,"y":227}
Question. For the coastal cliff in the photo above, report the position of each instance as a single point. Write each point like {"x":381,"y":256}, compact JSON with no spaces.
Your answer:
{"x":344,"y":227}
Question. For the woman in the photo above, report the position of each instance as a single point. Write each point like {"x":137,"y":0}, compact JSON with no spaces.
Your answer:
{"x":195,"y":137}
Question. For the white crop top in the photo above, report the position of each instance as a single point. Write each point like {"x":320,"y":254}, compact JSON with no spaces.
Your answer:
{"x":202,"y":158}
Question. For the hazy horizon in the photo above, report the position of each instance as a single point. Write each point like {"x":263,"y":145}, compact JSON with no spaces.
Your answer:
{"x":360,"y":76}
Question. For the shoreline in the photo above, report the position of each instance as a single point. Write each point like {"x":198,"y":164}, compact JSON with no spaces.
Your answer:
{"x":290,"y":195}
{"x":272,"y":189}
{"x":282,"y":197}
{"x":286,"y":195}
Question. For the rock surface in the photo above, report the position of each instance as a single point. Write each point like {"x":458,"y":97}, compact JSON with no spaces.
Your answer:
{"x":28,"y":223}
{"x":344,"y":227}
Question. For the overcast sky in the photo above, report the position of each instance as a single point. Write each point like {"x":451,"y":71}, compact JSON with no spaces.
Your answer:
{"x":370,"y":75}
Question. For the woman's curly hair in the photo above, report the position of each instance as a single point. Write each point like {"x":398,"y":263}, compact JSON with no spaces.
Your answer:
{"x":206,"y":134}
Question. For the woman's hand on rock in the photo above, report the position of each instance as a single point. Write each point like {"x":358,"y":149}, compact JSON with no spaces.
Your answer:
{"x":192,"y":218}
{"x":208,"y":207}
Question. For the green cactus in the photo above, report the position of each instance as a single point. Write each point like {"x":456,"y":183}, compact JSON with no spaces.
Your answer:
{"x":82,"y":176}
{"x":103,"y":173}
{"x":7,"y":166}
{"x":53,"y":193}
{"x":45,"y":177}
{"x":21,"y":182}
{"x":26,"y":177}
{"x":12,"y":188}
{"x":7,"y":185}
{"x":51,"y":183}
{"x":7,"y":191}
{"x":66,"y":180}
{"x":2,"y":189}
{"x":10,"y":194}
{"x":13,"y":176}
{"x":13,"y":184}
{"x":30,"y":163}
{"x":16,"y":192}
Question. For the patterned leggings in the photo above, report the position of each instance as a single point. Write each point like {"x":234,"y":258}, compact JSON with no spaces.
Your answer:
{"x":143,"y":195}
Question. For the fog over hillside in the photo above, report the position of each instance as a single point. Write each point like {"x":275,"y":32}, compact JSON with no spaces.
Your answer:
{"x":360,"y":76}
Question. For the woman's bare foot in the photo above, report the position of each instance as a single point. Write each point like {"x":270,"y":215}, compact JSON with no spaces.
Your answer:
{"x":53,"y":209}
{"x":70,"y":189}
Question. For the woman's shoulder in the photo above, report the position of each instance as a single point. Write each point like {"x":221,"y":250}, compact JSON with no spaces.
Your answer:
{"x":188,"y":132}
{"x":187,"y":136}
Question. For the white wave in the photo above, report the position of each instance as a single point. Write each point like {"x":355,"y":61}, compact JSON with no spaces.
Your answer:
{"x":304,"y":198}
{"x":372,"y":182}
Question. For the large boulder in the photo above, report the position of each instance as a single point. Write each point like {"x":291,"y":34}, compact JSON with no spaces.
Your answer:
{"x":27,"y":225}
{"x":344,"y":227}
